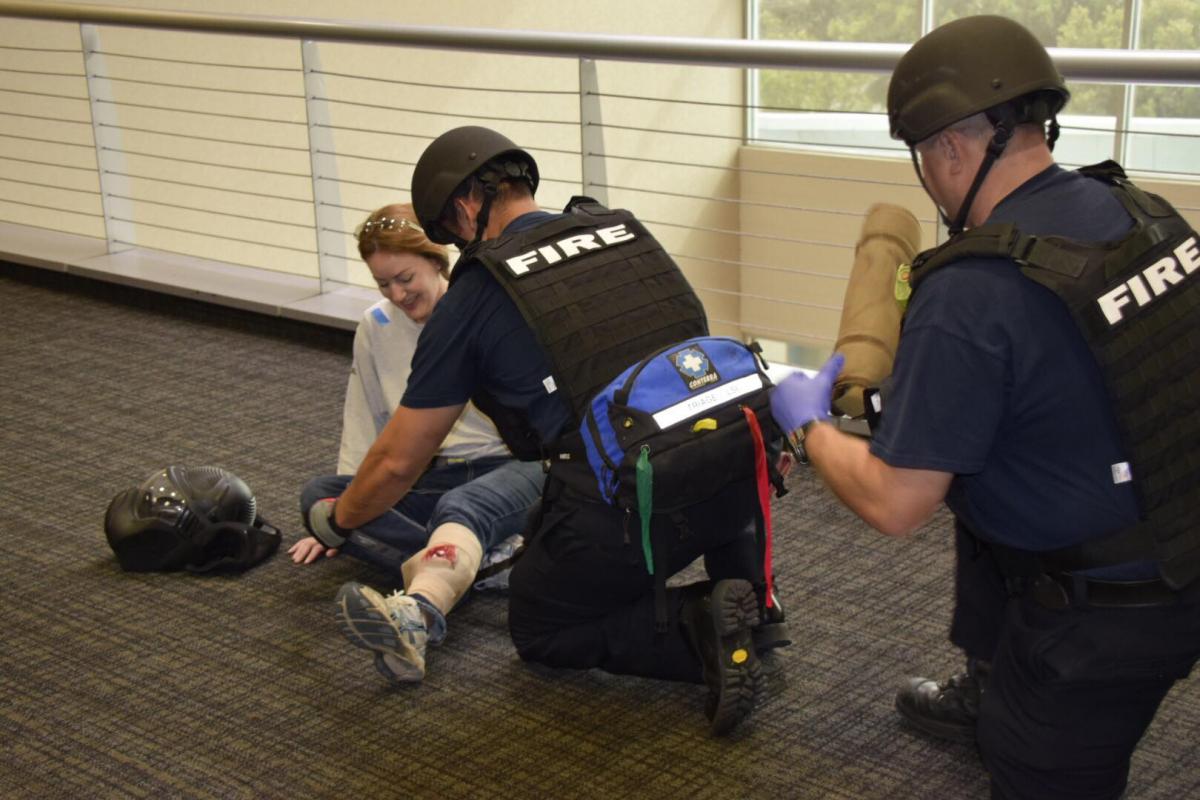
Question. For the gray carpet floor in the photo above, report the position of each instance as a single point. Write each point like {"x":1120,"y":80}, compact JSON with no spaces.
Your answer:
{"x":174,"y":685}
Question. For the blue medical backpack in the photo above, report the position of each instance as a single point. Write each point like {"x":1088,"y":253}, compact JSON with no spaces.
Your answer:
{"x":676,"y":427}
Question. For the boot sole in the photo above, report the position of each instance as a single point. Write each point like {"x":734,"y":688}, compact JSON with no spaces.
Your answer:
{"x":367,"y":627}
{"x":740,"y":677}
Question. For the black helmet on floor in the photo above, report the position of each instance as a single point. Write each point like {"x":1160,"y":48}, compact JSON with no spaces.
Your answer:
{"x":194,"y":518}
{"x":455,"y":156}
{"x":968,"y":66}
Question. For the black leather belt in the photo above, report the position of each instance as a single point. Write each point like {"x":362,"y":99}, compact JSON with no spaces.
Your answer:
{"x":1061,"y":590}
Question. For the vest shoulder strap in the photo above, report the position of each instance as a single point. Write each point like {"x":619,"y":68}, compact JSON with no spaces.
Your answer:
{"x":1055,"y":255}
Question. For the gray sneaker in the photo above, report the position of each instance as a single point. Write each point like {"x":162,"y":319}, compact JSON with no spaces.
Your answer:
{"x":393,"y":627}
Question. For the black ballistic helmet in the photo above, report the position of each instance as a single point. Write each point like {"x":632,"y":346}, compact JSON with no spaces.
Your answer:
{"x":194,"y":518}
{"x":455,"y":156}
{"x":968,"y":66}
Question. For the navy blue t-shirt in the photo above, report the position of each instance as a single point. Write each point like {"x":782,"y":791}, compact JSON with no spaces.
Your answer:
{"x":993,"y":382}
{"x":476,"y":338}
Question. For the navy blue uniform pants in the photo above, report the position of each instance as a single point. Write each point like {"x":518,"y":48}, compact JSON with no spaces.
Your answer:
{"x":1071,"y":691}
{"x":581,"y":596}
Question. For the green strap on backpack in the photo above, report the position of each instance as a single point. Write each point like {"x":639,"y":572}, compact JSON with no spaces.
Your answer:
{"x":645,"y":499}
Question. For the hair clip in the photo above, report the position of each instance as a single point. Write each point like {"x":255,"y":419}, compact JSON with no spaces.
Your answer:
{"x":372,"y":226}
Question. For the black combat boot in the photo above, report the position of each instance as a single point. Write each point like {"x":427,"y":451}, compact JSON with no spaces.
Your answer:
{"x":770,"y":629}
{"x":948,"y":710}
{"x":718,"y":625}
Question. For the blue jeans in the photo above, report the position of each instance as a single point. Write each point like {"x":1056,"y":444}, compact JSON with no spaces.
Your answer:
{"x":492,"y":497}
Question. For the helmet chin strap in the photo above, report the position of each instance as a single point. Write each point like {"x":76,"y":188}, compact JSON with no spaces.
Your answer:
{"x":485,"y":211}
{"x":481,"y":219}
{"x":1035,"y":108}
{"x":1001,"y":134}
{"x":912,"y":151}
{"x":490,"y":177}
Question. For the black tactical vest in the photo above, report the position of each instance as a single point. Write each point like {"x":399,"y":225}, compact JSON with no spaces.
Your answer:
{"x":599,"y":293}
{"x":1137,"y":302}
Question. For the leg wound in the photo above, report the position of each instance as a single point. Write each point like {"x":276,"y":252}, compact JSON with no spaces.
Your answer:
{"x":445,"y":552}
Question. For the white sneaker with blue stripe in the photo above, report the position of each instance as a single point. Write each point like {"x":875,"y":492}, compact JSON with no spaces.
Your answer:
{"x":393,"y":627}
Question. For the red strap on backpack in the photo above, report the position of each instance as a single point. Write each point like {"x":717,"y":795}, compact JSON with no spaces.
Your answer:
{"x":764,"y":497}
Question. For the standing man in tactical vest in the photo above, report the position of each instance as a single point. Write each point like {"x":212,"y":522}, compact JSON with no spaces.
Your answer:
{"x":1075,"y":618}
{"x":544,"y":309}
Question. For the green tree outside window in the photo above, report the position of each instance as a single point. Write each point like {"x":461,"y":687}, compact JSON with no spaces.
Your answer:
{"x":1166,"y":24}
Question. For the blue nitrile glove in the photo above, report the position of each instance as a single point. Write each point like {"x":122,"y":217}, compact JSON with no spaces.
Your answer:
{"x":320,"y":523}
{"x":799,"y":399}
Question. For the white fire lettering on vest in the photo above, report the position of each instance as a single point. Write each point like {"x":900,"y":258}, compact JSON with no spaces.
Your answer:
{"x":568,"y":248}
{"x":1154,"y":280}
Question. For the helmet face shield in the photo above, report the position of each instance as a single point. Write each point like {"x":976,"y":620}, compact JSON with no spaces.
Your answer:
{"x":965,"y":67}
{"x":142,"y":540}
{"x":180,"y":517}
{"x":208,"y":492}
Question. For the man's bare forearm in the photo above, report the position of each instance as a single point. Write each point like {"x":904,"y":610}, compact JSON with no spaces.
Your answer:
{"x":893,"y":500}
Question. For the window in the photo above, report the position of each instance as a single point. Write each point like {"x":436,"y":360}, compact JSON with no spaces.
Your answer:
{"x":1148,"y":128}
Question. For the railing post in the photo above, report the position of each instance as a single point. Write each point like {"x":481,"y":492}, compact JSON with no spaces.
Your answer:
{"x":1131,"y":32}
{"x":326,"y":197}
{"x":110,"y":164}
{"x":591,"y":133}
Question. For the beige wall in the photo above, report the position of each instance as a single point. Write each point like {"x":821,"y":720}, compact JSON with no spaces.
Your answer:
{"x":1184,"y":196}
{"x":271,"y":223}
{"x":64,"y":196}
{"x":801,"y":218}
{"x":766,"y":235}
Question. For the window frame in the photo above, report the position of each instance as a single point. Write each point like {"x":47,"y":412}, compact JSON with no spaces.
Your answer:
{"x":1125,"y":144}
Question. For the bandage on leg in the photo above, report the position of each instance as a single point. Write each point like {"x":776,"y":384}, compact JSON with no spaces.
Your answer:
{"x":442,"y":572}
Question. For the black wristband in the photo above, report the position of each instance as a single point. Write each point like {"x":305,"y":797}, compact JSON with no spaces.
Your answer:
{"x":796,"y":439}
{"x":324,"y":527}
{"x":338,"y":529}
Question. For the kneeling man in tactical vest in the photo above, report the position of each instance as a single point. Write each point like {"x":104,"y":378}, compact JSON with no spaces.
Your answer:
{"x":543,"y":310}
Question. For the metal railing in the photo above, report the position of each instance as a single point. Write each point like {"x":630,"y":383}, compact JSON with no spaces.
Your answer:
{"x":1085,"y":64}
{"x":261,"y":142}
